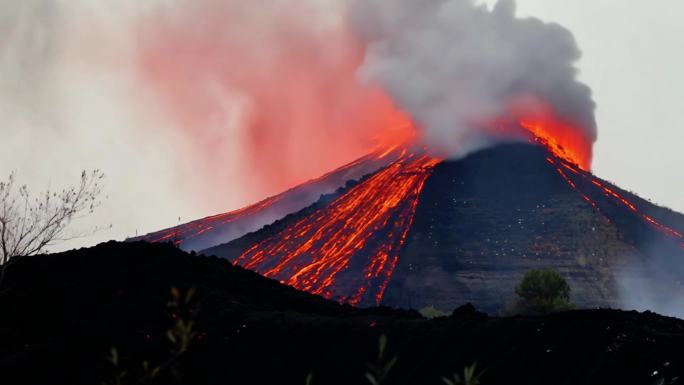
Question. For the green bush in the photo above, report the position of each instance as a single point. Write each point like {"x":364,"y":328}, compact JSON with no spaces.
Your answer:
{"x":542,"y":292}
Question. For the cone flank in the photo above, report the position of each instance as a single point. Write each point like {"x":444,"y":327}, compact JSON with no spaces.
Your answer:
{"x":423,"y":232}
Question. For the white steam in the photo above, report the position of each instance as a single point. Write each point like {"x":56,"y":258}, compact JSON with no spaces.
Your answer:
{"x":452,"y":64}
{"x":71,"y":99}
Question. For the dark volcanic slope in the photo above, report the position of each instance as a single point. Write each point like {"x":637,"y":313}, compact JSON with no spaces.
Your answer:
{"x":482,"y":221}
{"x":61,"y":313}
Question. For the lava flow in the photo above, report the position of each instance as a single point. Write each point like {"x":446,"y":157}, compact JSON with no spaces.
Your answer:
{"x":224,"y":227}
{"x":610,"y":193}
{"x":182,"y":233}
{"x":365,"y":228}
{"x":565,"y":140}
{"x":569,"y":152}
{"x":571,"y":155}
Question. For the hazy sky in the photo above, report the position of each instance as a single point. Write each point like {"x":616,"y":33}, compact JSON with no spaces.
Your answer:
{"x":68,"y":101}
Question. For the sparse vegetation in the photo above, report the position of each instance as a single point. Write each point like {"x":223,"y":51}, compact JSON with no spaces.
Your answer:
{"x":377,"y":372}
{"x":29,"y":224}
{"x":180,"y":335}
{"x":72,"y":308}
{"x":470,"y":376}
{"x":542,"y":292}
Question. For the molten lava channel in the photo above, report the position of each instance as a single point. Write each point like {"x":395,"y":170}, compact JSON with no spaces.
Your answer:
{"x":181,"y":234}
{"x":561,"y":164}
{"x":571,"y":155}
{"x":365,"y":227}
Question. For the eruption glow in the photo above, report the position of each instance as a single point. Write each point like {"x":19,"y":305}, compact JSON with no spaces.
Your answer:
{"x":280,"y":93}
{"x":563,"y":139}
{"x":262,"y":89}
{"x":562,"y":164}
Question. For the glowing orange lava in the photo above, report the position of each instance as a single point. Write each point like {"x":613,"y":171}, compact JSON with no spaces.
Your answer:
{"x":182,"y":233}
{"x":565,"y":151}
{"x":557,"y":166}
{"x":387,"y":150}
{"x":611,"y":193}
{"x":571,"y":153}
{"x":365,"y":228}
{"x":563,"y":139}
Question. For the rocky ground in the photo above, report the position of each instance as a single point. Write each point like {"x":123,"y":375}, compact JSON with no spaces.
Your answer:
{"x":61,"y":314}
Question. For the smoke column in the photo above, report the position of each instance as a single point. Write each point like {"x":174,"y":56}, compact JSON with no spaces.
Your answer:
{"x":454,"y":65}
{"x":193,"y":107}
{"x":286,"y":91}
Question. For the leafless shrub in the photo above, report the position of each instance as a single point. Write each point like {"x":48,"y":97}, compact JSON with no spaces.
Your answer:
{"x":29,"y":224}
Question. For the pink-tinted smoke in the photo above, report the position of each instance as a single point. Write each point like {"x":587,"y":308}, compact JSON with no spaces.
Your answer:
{"x":290,"y":67}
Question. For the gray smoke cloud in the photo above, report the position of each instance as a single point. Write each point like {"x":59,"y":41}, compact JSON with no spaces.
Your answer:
{"x":454,"y":63}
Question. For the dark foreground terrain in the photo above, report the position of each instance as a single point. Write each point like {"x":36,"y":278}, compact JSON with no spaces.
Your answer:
{"x":61,"y":314}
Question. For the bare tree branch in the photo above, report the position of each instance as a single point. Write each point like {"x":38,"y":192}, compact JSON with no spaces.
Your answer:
{"x":29,"y":225}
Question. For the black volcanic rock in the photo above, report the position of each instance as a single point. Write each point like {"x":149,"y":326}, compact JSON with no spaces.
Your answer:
{"x":483,"y":221}
{"x":61,"y":314}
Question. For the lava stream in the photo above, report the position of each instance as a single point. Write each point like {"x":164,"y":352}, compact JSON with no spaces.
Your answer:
{"x":181,"y":234}
{"x":566,"y":140}
{"x":611,"y":193}
{"x":571,"y":183}
{"x":365,"y":227}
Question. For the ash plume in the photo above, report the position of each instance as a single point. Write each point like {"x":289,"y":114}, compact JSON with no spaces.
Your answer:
{"x":455,"y":64}
{"x":220,"y":103}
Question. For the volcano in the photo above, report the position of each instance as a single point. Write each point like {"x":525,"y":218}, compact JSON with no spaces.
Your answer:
{"x":420,"y":232}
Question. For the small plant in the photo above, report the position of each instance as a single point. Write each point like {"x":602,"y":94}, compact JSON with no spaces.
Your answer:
{"x":377,"y":372}
{"x":31,"y":223}
{"x":470,"y":376}
{"x":113,"y":359}
{"x":309,"y":379}
{"x":180,"y":335}
{"x":542,"y":292}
